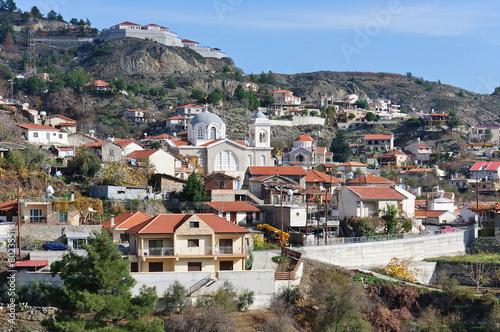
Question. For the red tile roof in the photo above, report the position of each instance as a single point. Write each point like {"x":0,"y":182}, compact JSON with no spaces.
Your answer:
{"x":351,"y":164}
{"x":162,"y":136}
{"x":321,"y":149}
{"x":489,"y":166}
{"x":393,"y":154}
{"x":377,"y":192}
{"x":315,"y":176}
{"x":370,"y":179}
{"x":168,"y":223}
{"x":141,"y":154}
{"x":130,"y":110}
{"x":271,"y":170}
{"x":178,"y":117}
{"x":8,"y":205}
{"x":211,"y":142}
{"x":127,"y":220}
{"x":279,"y":91}
{"x":179,"y":142}
{"x":32,"y":263}
{"x":241,"y":143}
{"x":190,"y":105}
{"x":125,"y":142}
{"x":241,"y":206}
{"x":421,"y":145}
{"x":304,"y":138}
{"x":128,"y":23}
{"x":430,"y":213}
{"x":97,"y":83}
{"x":35,"y":127}
{"x":59,"y":116}
{"x":187,"y":41}
{"x":378,"y":137}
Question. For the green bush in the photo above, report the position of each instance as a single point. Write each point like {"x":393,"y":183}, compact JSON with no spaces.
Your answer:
{"x":34,"y":294}
{"x":290,"y":294}
{"x":227,"y":298}
{"x":174,"y":298}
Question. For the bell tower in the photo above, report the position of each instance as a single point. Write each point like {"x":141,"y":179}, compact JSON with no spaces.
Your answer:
{"x":259,"y":131}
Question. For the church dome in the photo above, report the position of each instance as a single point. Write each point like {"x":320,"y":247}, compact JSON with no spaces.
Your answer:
{"x":304,"y":138}
{"x":259,"y":115}
{"x":206,"y":118}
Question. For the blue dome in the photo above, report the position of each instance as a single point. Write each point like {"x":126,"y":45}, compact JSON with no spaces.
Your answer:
{"x":206,"y":118}
{"x":259,"y":115}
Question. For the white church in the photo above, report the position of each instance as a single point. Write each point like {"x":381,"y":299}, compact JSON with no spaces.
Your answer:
{"x":216,"y":153}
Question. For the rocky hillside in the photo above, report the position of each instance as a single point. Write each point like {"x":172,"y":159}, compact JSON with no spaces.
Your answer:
{"x":131,"y":56}
{"x":411,"y":93}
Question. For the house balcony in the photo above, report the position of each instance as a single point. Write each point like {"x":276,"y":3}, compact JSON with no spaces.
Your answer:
{"x":176,"y":252}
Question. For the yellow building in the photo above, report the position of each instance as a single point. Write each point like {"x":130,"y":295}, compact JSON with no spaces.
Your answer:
{"x":188,"y":242}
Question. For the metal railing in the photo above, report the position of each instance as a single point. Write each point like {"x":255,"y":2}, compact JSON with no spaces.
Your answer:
{"x":361,"y":239}
{"x":194,"y":251}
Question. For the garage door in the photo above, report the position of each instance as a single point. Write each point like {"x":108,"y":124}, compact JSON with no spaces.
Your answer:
{"x":226,"y":265}
{"x":156,"y":267}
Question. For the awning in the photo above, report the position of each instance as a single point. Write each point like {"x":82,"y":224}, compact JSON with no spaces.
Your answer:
{"x":8,"y":206}
{"x":32,"y":263}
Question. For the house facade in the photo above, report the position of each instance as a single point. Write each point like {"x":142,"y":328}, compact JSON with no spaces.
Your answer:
{"x":478,"y":133}
{"x":421,"y":151}
{"x":189,"y":111}
{"x":117,"y":225}
{"x":187,"y":243}
{"x":379,"y":142}
{"x":60,"y":122}
{"x":237,"y":212}
{"x":136,"y":115}
{"x":161,"y":161}
{"x":43,"y":135}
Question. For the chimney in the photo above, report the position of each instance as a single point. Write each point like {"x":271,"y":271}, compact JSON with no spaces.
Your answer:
{"x":112,"y":220}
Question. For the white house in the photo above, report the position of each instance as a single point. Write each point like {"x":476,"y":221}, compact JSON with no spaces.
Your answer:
{"x":136,"y":115}
{"x":379,"y":142}
{"x":421,"y":151}
{"x":238,"y":212}
{"x":483,"y":170}
{"x":189,"y":111}
{"x":43,"y":135}
{"x":162,"y":162}
{"x":369,"y":201}
{"x":478,"y":133}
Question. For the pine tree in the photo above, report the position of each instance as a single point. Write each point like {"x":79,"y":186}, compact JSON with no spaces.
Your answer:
{"x":171,"y":82}
{"x":193,"y":190}
{"x":340,"y":148}
{"x":97,"y":292}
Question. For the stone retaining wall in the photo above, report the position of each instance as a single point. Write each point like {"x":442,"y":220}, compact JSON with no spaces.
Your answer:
{"x":54,"y":232}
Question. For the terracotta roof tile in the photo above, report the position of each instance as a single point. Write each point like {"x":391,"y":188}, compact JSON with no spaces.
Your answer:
{"x":304,"y":138}
{"x":378,"y":137}
{"x":241,"y":206}
{"x":315,"y":176}
{"x":141,"y":154}
{"x":127,"y":220}
{"x":430,"y":213}
{"x":352,"y":164}
{"x":168,"y":223}
{"x":370,"y":179}
{"x":377,"y":192}
{"x":271,"y":170}
{"x":35,"y":127}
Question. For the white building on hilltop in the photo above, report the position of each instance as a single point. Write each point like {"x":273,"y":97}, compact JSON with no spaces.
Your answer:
{"x":159,"y":34}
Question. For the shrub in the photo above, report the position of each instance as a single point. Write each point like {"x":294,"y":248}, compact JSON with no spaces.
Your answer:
{"x":402,"y":269}
{"x":174,"y":298}
{"x":227,"y":298}
{"x":34,"y":294}
{"x":212,"y":318}
{"x":290,"y":294}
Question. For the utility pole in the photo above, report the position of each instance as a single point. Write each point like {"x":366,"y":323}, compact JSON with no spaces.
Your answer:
{"x":317,"y":217}
{"x":477,"y":200}
{"x":307,"y":217}
{"x":282,"y":238}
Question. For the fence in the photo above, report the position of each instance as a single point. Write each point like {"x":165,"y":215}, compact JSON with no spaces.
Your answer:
{"x":363,"y":239}
{"x":194,"y":251}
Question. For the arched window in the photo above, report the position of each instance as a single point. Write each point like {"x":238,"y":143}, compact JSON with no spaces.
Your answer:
{"x":262,"y":137}
{"x":213,"y":133}
{"x":226,"y":161}
{"x":200,"y":133}
{"x":262,"y":160}
{"x":249,"y":160}
{"x":252,"y":137}
{"x":300,"y":158}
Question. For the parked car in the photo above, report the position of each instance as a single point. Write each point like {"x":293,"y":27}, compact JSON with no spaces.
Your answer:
{"x":445,"y":229}
{"x":54,"y":245}
{"x":121,"y":248}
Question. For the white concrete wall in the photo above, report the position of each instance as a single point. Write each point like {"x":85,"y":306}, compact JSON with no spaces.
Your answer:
{"x":370,"y":254}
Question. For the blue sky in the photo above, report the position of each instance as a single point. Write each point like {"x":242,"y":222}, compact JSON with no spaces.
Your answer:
{"x":456,"y":42}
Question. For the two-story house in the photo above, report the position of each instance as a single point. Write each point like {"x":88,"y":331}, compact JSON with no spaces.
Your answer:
{"x":136,"y":115}
{"x":379,"y":142}
{"x":189,"y":111}
{"x":478,"y":133}
{"x":43,"y":135}
{"x":489,"y":170}
{"x":187,"y":242}
{"x":421,"y":151}
{"x":60,"y":122}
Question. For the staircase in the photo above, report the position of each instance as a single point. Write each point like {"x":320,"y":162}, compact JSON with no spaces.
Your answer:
{"x":199,"y":284}
{"x":251,"y":196}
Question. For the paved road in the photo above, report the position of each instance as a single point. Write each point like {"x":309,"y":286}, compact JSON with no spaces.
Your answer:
{"x":262,"y":259}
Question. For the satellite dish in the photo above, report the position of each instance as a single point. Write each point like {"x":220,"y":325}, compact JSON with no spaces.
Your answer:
{"x":43,"y":113}
{"x":92,"y":131}
{"x":350,"y":176}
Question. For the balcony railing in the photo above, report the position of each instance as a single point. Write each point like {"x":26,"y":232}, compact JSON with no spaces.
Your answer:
{"x":194,"y":251}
